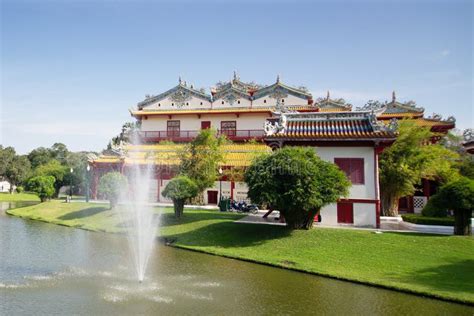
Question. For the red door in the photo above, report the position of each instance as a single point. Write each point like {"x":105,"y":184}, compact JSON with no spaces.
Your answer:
{"x":205,"y":124}
{"x":345,"y":213}
{"x":211,"y":197}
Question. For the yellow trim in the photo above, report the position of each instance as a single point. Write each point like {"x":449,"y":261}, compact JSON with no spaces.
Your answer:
{"x":211,"y":111}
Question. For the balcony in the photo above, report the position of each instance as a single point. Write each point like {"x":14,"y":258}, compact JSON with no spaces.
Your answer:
{"x":186,"y":136}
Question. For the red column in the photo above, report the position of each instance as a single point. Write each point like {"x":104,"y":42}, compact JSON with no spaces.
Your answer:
{"x":232,"y":186}
{"x":377,"y":150}
{"x":426,"y":188}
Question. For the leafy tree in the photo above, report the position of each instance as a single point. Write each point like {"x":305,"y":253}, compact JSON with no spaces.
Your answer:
{"x":200,"y":159}
{"x":179,"y":190}
{"x":466,"y":166}
{"x":40,"y":156}
{"x":111,"y":185}
{"x":55,"y":169}
{"x":297,"y":183}
{"x":59,"y":152}
{"x":14,"y":168}
{"x":411,"y":158}
{"x":43,"y":186}
{"x":459,"y":197}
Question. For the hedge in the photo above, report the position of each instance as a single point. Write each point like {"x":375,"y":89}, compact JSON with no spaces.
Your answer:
{"x":425,"y":220}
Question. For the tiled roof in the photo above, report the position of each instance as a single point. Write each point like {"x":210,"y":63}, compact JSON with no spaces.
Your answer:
{"x":180,"y":87}
{"x":332,"y":105}
{"x":329,"y":126}
{"x":236,"y":155}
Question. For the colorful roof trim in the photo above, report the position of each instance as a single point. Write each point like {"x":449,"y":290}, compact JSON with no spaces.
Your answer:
{"x":179,"y":92}
{"x":332,"y":105}
{"x":279,"y":90}
{"x":328,"y":126}
{"x":218,"y":111}
{"x":235,"y":155}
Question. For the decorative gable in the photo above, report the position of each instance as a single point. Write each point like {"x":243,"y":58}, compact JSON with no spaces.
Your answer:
{"x":278,"y":92}
{"x":332,"y":105}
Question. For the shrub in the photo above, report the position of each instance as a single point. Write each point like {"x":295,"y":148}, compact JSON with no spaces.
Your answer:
{"x":111,"y":185}
{"x":43,"y":186}
{"x":425,"y":220}
{"x":180,"y":189}
{"x":457,"y":196}
{"x":432,"y":209}
{"x":296,"y":182}
{"x":19,"y":189}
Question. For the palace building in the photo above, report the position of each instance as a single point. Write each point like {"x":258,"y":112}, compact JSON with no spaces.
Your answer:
{"x":259,"y":119}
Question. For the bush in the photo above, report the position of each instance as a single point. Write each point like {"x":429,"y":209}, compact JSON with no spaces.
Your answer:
{"x":180,"y":189}
{"x":432,"y":209}
{"x":19,"y":189}
{"x":43,"y":186}
{"x":457,"y":196}
{"x":296,"y":182}
{"x":425,"y":220}
{"x":111,"y":185}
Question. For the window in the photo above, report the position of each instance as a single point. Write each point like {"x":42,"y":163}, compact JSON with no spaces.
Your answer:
{"x":283,"y":100}
{"x":238,"y":102}
{"x":201,"y":103}
{"x":159,"y":104}
{"x":353,"y":168}
{"x":187,"y":103}
{"x":172,"y":104}
{"x":173,"y":128}
{"x":229,"y":128}
{"x":222,"y":102}
{"x":264,"y":101}
{"x":345,"y":213}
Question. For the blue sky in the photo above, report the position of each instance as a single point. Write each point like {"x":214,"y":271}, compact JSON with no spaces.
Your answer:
{"x":70,"y":70}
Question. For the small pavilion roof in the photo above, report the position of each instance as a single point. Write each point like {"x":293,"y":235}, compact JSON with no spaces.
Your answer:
{"x":332,"y":105}
{"x":279,"y":87}
{"x":399,"y":109}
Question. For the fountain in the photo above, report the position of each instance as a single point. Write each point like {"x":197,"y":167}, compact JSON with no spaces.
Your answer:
{"x":138,"y":214}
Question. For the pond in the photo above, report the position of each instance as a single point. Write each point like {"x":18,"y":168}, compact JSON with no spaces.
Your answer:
{"x":48,"y":269}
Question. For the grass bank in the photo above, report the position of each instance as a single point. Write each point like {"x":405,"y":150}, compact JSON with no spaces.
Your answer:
{"x":18,"y":197}
{"x":433,"y":265}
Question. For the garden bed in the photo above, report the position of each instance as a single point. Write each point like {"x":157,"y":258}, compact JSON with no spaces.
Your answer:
{"x":425,"y":220}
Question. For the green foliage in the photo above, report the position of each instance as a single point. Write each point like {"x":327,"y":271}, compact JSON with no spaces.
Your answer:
{"x":55,"y":169}
{"x":410,"y":159}
{"x":432,"y":209}
{"x":200,"y":159}
{"x":14,"y":168}
{"x":111,"y":185}
{"x":296,"y":182}
{"x":43,"y":186}
{"x":466,"y":166}
{"x":40,"y":156}
{"x":20,"y":189}
{"x":457,"y":196}
{"x":426,"y":220}
{"x":180,"y":189}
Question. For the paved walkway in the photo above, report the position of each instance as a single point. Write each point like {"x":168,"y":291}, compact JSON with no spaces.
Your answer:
{"x":387,"y":224}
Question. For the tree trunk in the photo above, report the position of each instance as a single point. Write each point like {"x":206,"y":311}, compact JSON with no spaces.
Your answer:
{"x":389,"y":204}
{"x":178,"y":206}
{"x":299,"y":220}
{"x":462,"y":222}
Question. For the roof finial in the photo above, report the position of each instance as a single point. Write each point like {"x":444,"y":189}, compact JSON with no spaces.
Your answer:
{"x":394,"y":97}
{"x":235,"y":75}
{"x":278,"y":78}
{"x":328,"y":96}
{"x":179,"y":80}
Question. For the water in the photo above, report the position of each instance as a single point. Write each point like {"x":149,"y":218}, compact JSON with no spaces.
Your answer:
{"x":141,"y":221}
{"x":47,"y":269}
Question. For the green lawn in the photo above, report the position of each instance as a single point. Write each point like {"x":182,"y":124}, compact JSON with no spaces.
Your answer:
{"x":18,"y":197}
{"x":440,"y":266}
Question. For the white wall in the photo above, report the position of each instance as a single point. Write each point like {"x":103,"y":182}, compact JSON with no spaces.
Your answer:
{"x":364,"y":214}
{"x":357,"y":191}
{"x":192,"y":122}
{"x":289,"y":101}
{"x":4,"y":186}
{"x":244,"y":103}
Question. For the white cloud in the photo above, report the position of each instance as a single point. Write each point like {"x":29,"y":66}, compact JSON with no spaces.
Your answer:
{"x":445,"y":53}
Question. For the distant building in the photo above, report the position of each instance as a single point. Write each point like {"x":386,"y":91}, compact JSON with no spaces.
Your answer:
{"x":276,"y":115}
{"x":4,"y":186}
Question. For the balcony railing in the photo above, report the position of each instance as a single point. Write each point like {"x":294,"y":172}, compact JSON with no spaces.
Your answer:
{"x":184,"y":136}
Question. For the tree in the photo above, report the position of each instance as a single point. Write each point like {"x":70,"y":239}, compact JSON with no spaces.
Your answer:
{"x":15,"y":169}
{"x":40,"y":156}
{"x":297,"y":183}
{"x":55,"y":169}
{"x":111,"y":185}
{"x":179,"y":190}
{"x":457,"y":196}
{"x":43,"y":186}
{"x":411,"y":158}
{"x":200,"y":159}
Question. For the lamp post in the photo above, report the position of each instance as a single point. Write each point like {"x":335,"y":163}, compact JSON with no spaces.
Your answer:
{"x":70,"y":186}
{"x":88,"y":168}
{"x":220,"y":185}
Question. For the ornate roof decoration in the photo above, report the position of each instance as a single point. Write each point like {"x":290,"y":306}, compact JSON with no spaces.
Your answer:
{"x":179,"y":94}
{"x":328,"y":105}
{"x":394,"y":107}
{"x":235,"y":83}
{"x":279,"y":87}
{"x":325,"y":126}
{"x":231,"y":93}
{"x":468,"y":135}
